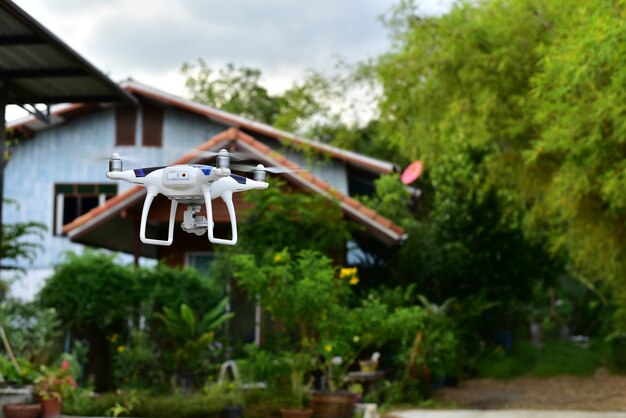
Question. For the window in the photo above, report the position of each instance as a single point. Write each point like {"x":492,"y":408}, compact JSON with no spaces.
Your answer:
{"x":152,"y":125}
{"x":74,"y":200}
{"x":125,"y":120}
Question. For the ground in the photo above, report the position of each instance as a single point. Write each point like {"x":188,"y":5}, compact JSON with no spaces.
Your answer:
{"x":601,"y":392}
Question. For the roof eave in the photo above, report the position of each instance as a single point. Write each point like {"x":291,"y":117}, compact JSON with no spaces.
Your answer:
{"x":118,"y":94}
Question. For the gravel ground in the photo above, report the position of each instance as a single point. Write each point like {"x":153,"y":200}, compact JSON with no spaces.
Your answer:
{"x":601,"y":392}
{"x":504,"y":414}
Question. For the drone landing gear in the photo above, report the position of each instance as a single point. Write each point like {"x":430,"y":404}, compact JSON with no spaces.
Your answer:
{"x":192,"y":223}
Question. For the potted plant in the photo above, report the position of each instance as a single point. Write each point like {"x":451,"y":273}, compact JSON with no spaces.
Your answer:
{"x":234,"y":399}
{"x":52,"y":386}
{"x":300,"y":364}
{"x":16,"y":396}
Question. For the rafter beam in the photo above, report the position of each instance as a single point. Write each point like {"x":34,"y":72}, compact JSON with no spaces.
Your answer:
{"x":41,"y":73}
{"x":15,"y":40}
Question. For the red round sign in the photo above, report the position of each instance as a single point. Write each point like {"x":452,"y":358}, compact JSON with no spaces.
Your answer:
{"x":412,"y":172}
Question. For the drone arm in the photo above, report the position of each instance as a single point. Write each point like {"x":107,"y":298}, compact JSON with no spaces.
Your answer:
{"x":228,"y":199}
{"x":128,"y":175}
{"x":150,"y":195}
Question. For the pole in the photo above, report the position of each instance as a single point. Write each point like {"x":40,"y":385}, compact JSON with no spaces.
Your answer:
{"x":3,"y":137}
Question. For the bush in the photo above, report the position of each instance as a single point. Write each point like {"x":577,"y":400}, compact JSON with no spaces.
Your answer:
{"x":554,"y":358}
{"x":210,"y":404}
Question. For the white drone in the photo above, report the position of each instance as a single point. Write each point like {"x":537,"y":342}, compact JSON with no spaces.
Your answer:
{"x":193,"y":185}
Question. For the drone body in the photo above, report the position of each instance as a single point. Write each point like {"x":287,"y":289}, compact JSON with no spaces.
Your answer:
{"x":193,"y":185}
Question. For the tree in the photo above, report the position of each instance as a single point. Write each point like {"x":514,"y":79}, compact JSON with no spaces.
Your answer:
{"x":239,"y":90}
{"x":576,"y":161}
{"x":283,"y":217}
{"x":455,"y":94}
{"x":101,"y":301}
{"x":532,"y":92}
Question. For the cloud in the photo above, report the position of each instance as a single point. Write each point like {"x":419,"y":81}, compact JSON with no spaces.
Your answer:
{"x":154,"y":37}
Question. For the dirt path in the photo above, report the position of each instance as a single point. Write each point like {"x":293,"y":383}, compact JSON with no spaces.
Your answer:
{"x":601,"y":392}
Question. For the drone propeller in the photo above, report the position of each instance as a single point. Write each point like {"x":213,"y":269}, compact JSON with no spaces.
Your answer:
{"x":234,"y":155}
{"x":131,"y":158}
{"x":275,"y":170}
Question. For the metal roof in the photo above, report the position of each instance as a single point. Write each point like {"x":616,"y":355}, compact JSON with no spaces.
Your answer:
{"x":37,"y":67}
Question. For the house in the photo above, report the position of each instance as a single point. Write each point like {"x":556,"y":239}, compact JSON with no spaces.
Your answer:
{"x":56,"y":173}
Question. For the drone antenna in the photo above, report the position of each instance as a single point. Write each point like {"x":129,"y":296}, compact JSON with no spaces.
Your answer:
{"x":115,"y":163}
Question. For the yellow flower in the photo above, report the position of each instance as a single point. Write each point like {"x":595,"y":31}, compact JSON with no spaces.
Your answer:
{"x":354,"y":280}
{"x":328,"y":348}
{"x":347,"y":272}
{"x":277,"y":258}
{"x":121,"y":348}
{"x":356,"y":339}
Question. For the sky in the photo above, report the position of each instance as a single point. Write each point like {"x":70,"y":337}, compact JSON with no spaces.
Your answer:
{"x":149,"y":40}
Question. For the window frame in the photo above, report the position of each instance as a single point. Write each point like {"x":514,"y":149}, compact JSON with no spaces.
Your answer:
{"x":59,"y":197}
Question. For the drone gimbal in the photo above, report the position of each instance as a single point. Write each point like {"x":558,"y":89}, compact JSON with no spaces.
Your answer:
{"x":193,"y":185}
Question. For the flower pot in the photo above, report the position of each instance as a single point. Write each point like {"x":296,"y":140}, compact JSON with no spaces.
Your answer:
{"x":21,"y":410}
{"x":368,"y":365}
{"x":51,"y":408}
{"x":332,"y":404}
{"x":15,"y":395}
{"x":295,"y":413}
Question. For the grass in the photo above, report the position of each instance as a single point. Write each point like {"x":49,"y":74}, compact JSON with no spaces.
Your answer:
{"x":553,"y":359}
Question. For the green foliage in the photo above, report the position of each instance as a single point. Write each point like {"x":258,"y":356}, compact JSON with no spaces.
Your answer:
{"x":286,"y":218}
{"x":209,"y":404}
{"x":554,"y":358}
{"x":576,"y":161}
{"x":456,"y":88}
{"x":29,"y":371}
{"x":263,"y":365}
{"x":83,"y":290}
{"x":519,"y":111}
{"x":162,"y":286}
{"x":238,"y":90}
{"x":20,"y":242}
{"x":235,"y":90}
{"x":103,"y":302}
{"x":33,"y":331}
{"x":138,"y":365}
{"x":297,"y":290}
{"x":392,"y":199}
{"x":191,"y":336}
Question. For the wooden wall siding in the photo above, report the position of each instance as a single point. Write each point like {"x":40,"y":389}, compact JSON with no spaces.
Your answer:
{"x":152,"y":123}
{"x":65,"y":153}
{"x":125,"y":125}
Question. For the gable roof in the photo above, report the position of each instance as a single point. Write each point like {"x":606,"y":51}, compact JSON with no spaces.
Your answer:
{"x":379,"y":226}
{"x":228,"y":119}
